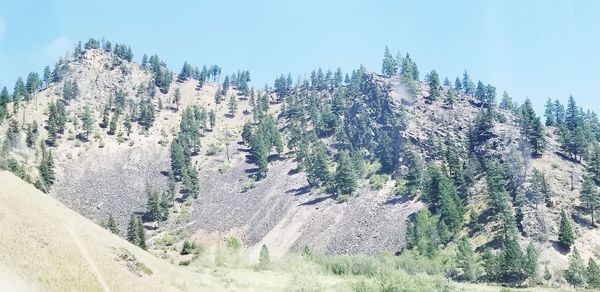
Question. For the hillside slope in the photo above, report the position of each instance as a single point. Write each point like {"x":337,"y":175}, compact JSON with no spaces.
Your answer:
{"x":48,"y":247}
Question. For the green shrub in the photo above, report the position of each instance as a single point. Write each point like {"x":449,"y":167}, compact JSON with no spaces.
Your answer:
{"x":212,"y":149}
{"x":248,"y":185}
{"x":377,"y":181}
{"x":188,"y":247}
{"x":233,"y":243}
{"x":223,"y":168}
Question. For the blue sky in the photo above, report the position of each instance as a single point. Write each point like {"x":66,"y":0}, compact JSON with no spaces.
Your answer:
{"x":529,"y":48}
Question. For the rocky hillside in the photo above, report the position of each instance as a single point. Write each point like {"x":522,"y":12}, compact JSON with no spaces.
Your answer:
{"x":108,"y":174}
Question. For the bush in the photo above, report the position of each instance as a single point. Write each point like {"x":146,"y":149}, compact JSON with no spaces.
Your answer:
{"x":377,"y":181}
{"x":248,"y":185}
{"x":212,"y":149}
{"x":188,"y":247}
{"x":234,"y":243}
{"x":223,"y":168}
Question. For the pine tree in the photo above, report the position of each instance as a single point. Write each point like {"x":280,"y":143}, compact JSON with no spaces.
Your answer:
{"x":264,"y":260}
{"x":593,"y":163}
{"x":530,"y":265}
{"x":421,"y":234}
{"x":566,"y":237}
{"x":593,"y":274}
{"x":345,"y":180}
{"x":87,"y":121}
{"x":260,"y":153}
{"x":433,"y":80}
{"x":467,"y":260}
{"x":132,"y":233}
{"x":549,"y":113}
{"x":46,"y":169}
{"x":247,"y":133}
{"x":414,"y":174}
{"x":153,"y":205}
{"x":112,"y":129}
{"x":212,"y":116}
{"x":140,"y":232}
{"x":467,"y":84}
{"x":575,"y":274}
{"x":317,"y":169}
{"x":458,"y":84}
{"x":112,"y":225}
{"x":232,"y":105}
{"x":389,"y":67}
{"x":537,"y":138}
{"x":590,"y":196}
{"x":127,"y":124}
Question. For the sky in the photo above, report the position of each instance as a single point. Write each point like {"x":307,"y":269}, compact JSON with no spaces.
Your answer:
{"x":535,"y":49}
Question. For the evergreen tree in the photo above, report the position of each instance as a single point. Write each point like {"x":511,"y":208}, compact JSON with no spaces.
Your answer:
{"x":264,"y":260}
{"x":593,"y":274}
{"x":530,"y":264}
{"x":153,"y":205}
{"x":232,"y":105}
{"x":433,"y":80}
{"x":247,"y":133}
{"x":140,"y":233}
{"x":458,"y":84}
{"x":47,"y":76}
{"x":467,"y":84}
{"x":590,"y":196}
{"x":566,"y":237}
{"x":389,"y":67}
{"x":317,"y":169}
{"x":506,"y":103}
{"x":186,"y":72}
{"x":127,"y":125}
{"x":575,"y":274}
{"x":260,"y":154}
{"x":87,"y":121}
{"x":32,"y":134}
{"x":46,"y":169}
{"x":421,"y":234}
{"x":212,"y":116}
{"x":414,"y":174}
{"x":549,"y":113}
{"x":112,"y":225}
{"x":467,"y":260}
{"x":345,"y":180}
{"x":559,"y":113}
{"x":112,"y":129}
{"x":132,"y":235}
{"x":593,"y":163}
